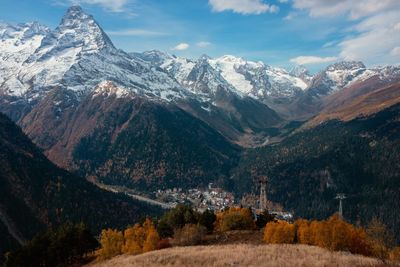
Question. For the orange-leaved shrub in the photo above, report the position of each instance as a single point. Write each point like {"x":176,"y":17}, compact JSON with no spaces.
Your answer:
{"x":234,"y":218}
{"x":334,"y":234}
{"x":140,"y":238}
{"x":111,"y":242}
{"x":279,"y":232}
{"x":134,"y":240}
{"x":304,"y":233}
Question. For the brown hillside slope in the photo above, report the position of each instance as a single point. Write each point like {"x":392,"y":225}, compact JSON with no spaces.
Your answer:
{"x":345,"y":106}
{"x":241,"y":255}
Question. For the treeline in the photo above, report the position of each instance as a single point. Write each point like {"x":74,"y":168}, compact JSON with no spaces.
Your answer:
{"x":67,"y":245}
{"x":181,"y":226}
{"x":134,"y":240}
{"x":335,"y":234}
{"x":184,"y":226}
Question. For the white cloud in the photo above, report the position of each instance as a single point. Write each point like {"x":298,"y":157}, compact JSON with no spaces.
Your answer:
{"x":376,"y":38}
{"x":374,"y":27}
{"x":290,"y":16}
{"x":354,"y":8}
{"x":395,"y":51}
{"x":203,"y":44}
{"x":246,"y":7}
{"x":112,"y":5}
{"x":329,"y":44}
{"x":181,"y":47}
{"x":136,"y":32}
{"x":308,"y":60}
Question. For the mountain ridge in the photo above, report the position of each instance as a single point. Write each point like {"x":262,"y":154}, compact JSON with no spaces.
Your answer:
{"x":93,"y":92}
{"x":83,"y":50}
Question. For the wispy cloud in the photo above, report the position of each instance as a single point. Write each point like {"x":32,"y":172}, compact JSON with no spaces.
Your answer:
{"x":395,"y":51}
{"x":111,"y":5}
{"x":136,"y":32}
{"x":377,"y":36}
{"x":355,"y":9}
{"x":245,"y":7}
{"x":181,"y":47}
{"x":329,"y":44}
{"x":290,"y":16}
{"x":308,"y":60}
{"x":203,"y":44}
{"x":374,"y":24}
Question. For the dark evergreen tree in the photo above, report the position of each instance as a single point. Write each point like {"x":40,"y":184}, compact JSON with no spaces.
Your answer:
{"x":207,"y":219}
{"x":264,"y":218}
{"x":63,"y":247}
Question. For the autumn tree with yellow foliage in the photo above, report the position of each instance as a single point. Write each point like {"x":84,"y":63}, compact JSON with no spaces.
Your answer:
{"x":279,"y":232}
{"x":111,"y":242}
{"x":334,"y":234}
{"x":304,"y":232}
{"x":151,"y":241}
{"x":134,"y":240}
{"x":235,"y":218}
{"x":140,"y":238}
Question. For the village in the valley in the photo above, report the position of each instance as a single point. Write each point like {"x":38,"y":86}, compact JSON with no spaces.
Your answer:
{"x":209,"y":198}
{"x":212,"y":198}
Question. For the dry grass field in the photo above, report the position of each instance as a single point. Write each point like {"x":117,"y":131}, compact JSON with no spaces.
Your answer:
{"x":242,"y":255}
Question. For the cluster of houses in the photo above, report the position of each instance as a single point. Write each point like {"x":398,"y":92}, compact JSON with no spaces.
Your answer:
{"x":211,"y":198}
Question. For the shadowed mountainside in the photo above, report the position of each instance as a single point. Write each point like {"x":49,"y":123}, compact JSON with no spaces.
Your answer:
{"x":35,"y":194}
{"x":359,"y":158}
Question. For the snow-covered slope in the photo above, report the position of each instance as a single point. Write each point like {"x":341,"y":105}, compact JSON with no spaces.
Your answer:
{"x":245,"y":78}
{"x":79,"y":57}
{"x":196,"y":76}
{"x":341,"y":75}
{"x":76,"y":63}
{"x":257,"y":79}
{"x":76,"y":56}
{"x":17,"y":44}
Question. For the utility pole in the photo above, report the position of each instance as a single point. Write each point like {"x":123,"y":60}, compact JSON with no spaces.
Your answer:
{"x":340,"y":197}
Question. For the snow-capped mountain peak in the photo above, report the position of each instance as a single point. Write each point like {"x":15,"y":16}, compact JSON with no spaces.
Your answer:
{"x":154,"y":57}
{"x":342,"y":73}
{"x":346,"y":66}
{"x":243,"y":77}
{"x":17,"y":44}
{"x":80,"y":29}
{"x":76,"y":56}
{"x":257,"y":79}
{"x":22,"y":31}
{"x":299,"y":71}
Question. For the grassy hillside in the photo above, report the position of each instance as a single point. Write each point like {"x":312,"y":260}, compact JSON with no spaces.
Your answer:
{"x":241,"y":255}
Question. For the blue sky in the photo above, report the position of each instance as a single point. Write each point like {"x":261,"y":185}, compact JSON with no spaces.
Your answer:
{"x":278,"y":32}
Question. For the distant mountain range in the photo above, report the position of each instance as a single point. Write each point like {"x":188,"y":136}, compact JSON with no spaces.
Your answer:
{"x":154,"y":120}
{"x":77,"y":58}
